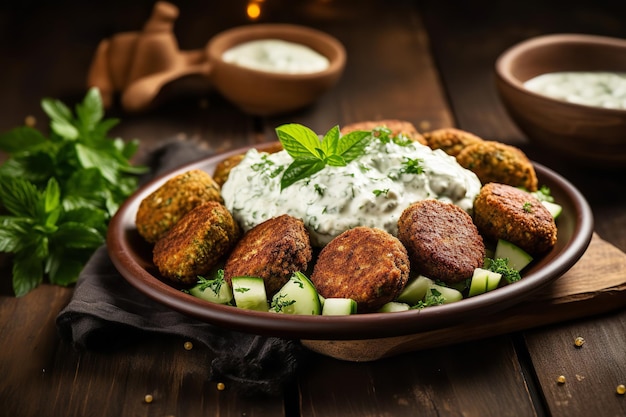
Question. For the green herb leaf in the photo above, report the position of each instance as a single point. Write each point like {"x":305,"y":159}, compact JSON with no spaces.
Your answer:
{"x":300,"y":169}
{"x":21,"y":139}
{"x":299,"y":141}
{"x":27,"y":274}
{"x":352,"y":145}
{"x":311,"y":155}
{"x":61,"y":191}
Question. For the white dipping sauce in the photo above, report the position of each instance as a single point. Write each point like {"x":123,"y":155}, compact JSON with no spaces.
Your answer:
{"x":597,"y":89}
{"x":372,"y":190}
{"x":275,"y":55}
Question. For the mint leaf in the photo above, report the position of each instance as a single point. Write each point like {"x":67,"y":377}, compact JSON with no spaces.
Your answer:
{"x":90,"y":111}
{"x":311,"y":155}
{"x":352,"y":145}
{"x":300,"y":169}
{"x":20,"y":139}
{"x":60,"y":191}
{"x":27,"y":273}
{"x":299,"y":141}
{"x":330,"y":142}
{"x":19,"y":196}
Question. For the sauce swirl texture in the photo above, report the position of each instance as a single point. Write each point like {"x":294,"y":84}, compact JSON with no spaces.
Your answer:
{"x":372,"y":190}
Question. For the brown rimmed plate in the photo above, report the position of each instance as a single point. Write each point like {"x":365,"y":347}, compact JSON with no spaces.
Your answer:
{"x":132,"y":256}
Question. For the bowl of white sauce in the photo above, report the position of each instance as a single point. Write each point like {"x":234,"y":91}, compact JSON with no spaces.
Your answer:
{"x":567,"y":93}
{"x":269,"y":69}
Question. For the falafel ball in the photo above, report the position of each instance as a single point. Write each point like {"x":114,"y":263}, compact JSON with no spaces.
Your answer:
{"x":272,"y":250}
{"x":498,"y":162}
{"x":442,"y":241}
{"x":366,"y":264}
{"x":450,"y":140}
{"x":505,"y":212}
{"x":397,"y":127}
{"x":223,"y":168}
{"x":160,"y":210}
{"x":196,"y":243}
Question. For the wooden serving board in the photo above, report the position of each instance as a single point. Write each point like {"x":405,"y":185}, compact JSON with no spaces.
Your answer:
{"x":595,"y":284}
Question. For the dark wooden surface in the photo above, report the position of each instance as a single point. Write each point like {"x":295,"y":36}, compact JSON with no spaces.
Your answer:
{"x":429,"y":62}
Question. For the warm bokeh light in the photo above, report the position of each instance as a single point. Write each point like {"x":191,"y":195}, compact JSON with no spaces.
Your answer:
{"x":253,"y":10}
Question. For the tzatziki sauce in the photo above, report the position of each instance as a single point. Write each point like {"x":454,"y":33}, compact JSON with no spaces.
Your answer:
{"x":594,"y":88}
{"x":372,"y":190}
{"x":276,"y":55}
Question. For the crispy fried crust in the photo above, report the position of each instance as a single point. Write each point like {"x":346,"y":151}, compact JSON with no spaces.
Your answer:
{"x":397,"y":127}
{"x":223,"y":168}
{"x":272,"y":250}
{"x":159,"y":211}
{"x":505,"y":212}
{"x":450,"y":140}
{"x":441,"y":240}
{"x":498,"y":162}
{"x":196,"y":243}
{"x":366,"y":264}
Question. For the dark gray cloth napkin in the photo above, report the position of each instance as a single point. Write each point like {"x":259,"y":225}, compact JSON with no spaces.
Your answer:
{"x":106,"y":312}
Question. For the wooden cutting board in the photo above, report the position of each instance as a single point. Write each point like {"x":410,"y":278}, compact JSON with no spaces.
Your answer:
{"x":595,"y":284}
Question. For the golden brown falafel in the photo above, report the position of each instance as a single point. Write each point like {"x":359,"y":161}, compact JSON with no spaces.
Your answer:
{"x":397,"y":127}
{"x":450,"y":140}
{"x":196,"y":243}
{"x":366,"y":264}
{"x":272,"y":250}
{"x":441,"y":240}
{"x":160,"y":210}
{"x":223,"y":168}
{"x":498,"y":162}
{"x":505,"y":212}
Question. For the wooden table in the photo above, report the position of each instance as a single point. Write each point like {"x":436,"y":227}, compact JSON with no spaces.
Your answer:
{"x":429,"y":62}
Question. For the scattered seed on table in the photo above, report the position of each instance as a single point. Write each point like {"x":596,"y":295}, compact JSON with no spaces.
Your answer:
{"x":579,"y":341}
{"x":188,"y":345}
{"x":561,"y":379}
{"x":148,"y":398}
{"x":621,"y":389}
{"x":221,"y":386}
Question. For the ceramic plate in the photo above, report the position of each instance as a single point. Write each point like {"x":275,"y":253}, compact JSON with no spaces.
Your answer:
{"x":133,"y":258}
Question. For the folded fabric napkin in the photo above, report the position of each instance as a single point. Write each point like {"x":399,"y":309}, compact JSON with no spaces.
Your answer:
{"x":106,"y":312}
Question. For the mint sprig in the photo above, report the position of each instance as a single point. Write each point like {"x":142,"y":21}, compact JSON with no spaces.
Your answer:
{"x":58,"y":192}
{"x":311,"y":155}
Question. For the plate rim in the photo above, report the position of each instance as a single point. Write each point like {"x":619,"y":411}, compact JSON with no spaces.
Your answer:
{"x":360,"y":326}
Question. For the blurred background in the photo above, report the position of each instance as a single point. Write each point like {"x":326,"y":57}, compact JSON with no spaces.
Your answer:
{"x":46,"y":47}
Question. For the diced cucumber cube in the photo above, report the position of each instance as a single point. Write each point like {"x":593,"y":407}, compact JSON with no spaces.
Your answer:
{"x":394,"y":306}
{"x":297,"y":296}
{"x":483,"y":280}
{"x":516,"y":257}
{"x":217,"y":292}
{"x":449,"y":295}
{"x":415,"y":290}
{"x":249,"y":293}
{"x":339,"y":307}
{"x":554,"y":208}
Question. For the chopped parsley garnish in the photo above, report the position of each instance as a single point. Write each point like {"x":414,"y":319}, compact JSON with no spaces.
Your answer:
{"x":500,"y":265}
{"x":412,"y":166}
{"x":378,"y":193}
{"x":432,"y":298}
{"x":385,"y":135}
{"x":214,"y":284}
{"x":528,"y":207}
